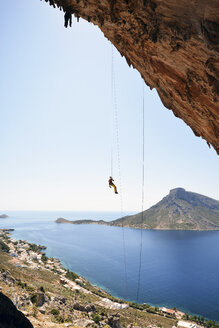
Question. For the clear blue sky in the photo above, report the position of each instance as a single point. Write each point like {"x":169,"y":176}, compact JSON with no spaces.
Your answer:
{"x":56,"y":121}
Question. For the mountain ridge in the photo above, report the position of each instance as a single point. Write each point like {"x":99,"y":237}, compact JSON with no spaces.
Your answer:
{"x":179,"y":210}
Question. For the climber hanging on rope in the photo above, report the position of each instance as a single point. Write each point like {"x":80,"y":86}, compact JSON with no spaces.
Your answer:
{"x":68,"y":18}
{"x":111,"y":184}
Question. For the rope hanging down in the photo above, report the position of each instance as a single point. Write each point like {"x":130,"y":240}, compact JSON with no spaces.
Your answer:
{"x":142,"y":198}
{"x":116,"y":133}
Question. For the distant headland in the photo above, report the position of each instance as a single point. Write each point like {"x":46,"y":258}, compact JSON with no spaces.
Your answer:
{"x":62,"y":220}
{"x":4,"y":216}
{"x":179,"y":210}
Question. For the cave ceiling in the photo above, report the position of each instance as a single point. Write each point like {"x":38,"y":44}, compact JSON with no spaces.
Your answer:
{"x":173,"y":44}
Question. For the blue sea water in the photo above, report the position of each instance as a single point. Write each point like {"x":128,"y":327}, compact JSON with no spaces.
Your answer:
{"x":179,"y":268}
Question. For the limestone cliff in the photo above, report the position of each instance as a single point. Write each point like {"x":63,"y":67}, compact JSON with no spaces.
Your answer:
{"x":173,"y":44}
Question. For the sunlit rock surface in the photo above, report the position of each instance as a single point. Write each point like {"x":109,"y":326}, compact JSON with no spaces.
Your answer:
{"x":173,"y":44}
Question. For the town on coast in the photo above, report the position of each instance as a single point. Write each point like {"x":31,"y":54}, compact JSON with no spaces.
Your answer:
{"x":45,"y":291}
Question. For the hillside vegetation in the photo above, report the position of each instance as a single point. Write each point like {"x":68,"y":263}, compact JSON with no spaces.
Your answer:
{"x":180,"y":210}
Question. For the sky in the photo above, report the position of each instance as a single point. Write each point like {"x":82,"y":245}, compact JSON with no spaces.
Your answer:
{"x":56,"y":118}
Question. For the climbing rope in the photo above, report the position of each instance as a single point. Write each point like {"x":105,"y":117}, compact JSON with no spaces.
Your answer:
{"x":114,"y":104}
{"x":142,"y":198}
{"x":116,"y":133}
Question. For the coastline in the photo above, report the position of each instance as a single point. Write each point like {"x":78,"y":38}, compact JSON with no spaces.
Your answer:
{"x":80,"y":301}
{"x":110,"y":224}
{"x":82,"y":285}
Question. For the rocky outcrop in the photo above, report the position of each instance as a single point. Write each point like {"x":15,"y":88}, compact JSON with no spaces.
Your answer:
{"x":10,"y":317}
{"x":84,"y":308}
{"x":39,"y":299}
{"x":173,"y":44}
{"x":114,"y":321}
{"x":7,"y":278}
{"x":83,"y":323}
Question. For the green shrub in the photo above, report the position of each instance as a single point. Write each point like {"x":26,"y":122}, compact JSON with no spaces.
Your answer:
{"x":96,"y":318}
{"x":60,"y":319}
{"x":54,"y":312}
{"x":44,"y":258}
{"x":42,"y":289}
{"x":35,"y":311}
{"x":4,"y":247}
{"x":29,"y":288}
{"x":5,"y":237}
{"x":71,"y":275}
{"x":22,"y":284}
{"x":33,"y":298}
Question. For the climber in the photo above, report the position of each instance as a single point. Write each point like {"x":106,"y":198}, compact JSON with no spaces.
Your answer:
{"x":68,"y":18}
{"x":111,"y":184}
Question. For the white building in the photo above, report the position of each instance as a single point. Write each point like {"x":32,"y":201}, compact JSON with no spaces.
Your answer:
{"x":187,"y":324}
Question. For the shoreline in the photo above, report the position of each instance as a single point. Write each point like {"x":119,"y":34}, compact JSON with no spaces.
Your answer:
{"x":109,"y":224}
{"x":84,"y":283}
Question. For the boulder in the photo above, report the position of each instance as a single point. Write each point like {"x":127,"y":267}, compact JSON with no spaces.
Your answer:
{"x":39,"y":299}
{"x":79,"y":307}
{"x":7,"y":278}
{"x":83,"y":322}
{"x":114,"y":321}
{"x":60,"y":300}
{"x":84,"y":308}
{"x":90,"y":308}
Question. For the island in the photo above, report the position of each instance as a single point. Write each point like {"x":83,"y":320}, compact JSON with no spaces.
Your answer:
{"x":4,"y":216}
{"x":179,"y":210}
{"x":62,"y":220}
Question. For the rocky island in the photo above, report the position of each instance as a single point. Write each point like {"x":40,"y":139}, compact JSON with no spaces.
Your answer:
{"x":62,"y":220}
{"x":3,"y":216}
{"x":180,"y":210}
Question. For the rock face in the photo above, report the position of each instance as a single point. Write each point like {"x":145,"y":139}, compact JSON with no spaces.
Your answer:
{"x":173,"y":44}
{"x":39,"y":299}
{"x":84,"y":308}
{"x":7,"y":278}
{"x":10,"y":317}
{"x":114,"y":321}
{"x":180,"y":210}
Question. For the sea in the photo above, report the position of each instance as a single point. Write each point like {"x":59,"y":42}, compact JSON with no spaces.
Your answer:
{"x":178,"y":268}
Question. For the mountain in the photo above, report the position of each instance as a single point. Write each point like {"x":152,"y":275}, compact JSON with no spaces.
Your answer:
{"x":180,"y":210}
